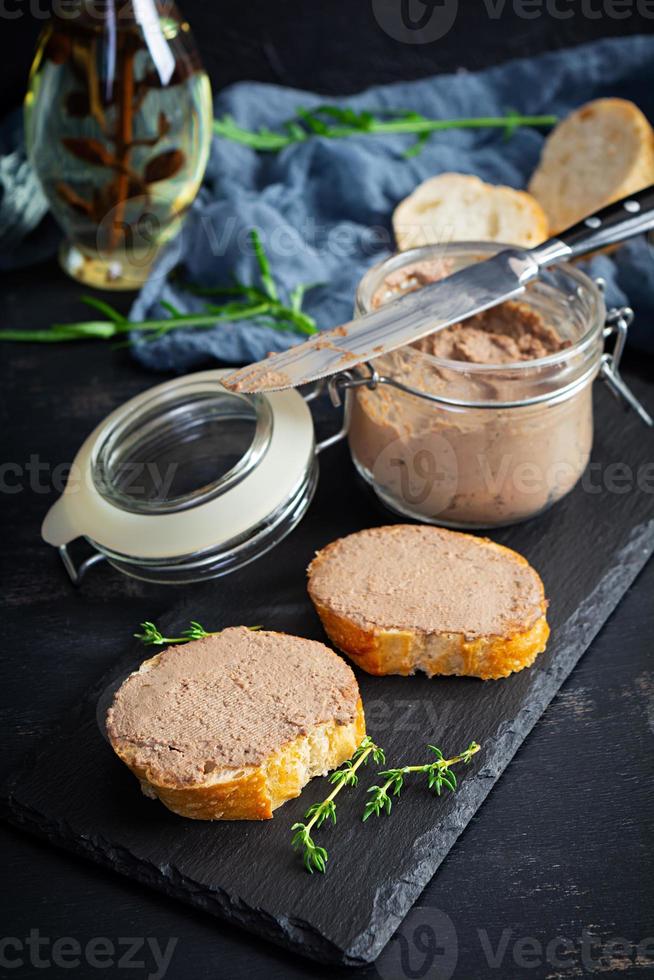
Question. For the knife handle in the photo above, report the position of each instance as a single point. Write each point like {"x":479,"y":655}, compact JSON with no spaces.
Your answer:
{"x":623,"y":219}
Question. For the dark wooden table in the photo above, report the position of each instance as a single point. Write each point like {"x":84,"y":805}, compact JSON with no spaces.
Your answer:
{"x":552,"y":879}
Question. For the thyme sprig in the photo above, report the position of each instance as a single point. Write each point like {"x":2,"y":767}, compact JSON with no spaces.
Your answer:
{"x":337,"y":122}
{"x":315,"y":857}
{"x":261,"y":304}
{"x":439,"y":775}
{"x":151,"y":635}
{"x":264,"y":302}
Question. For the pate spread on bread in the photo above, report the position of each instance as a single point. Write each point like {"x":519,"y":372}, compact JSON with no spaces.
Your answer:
{"x":231,"y":726}
{"x":413,"y":597}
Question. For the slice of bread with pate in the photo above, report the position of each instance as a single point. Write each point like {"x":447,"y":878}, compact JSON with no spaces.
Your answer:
{"x":411,"y":597}
{"x":460,"y":208}
{"x":231,"y":726}
{"x":601,"y":152}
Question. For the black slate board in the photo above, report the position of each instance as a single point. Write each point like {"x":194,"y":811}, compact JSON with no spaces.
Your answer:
{"x":74,"y":792}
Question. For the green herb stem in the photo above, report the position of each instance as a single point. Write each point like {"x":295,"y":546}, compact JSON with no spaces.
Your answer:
{"x":315,"y":857}
{"x":334,"y":122}
{"x":151,"y":636}
{"x":438,"y":774}
{"x":256,"y":304}
{"x":476,"y":122}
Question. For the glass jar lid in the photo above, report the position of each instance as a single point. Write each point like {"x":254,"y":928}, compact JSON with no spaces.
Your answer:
{"x":181,"y":448}
{"x":189,"y":479}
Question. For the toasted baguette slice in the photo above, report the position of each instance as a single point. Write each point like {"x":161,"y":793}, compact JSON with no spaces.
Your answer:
{"x":598,"y":154}
{"x":409,"y":597}
{"x":460,"y":208}
{"x":231,"y":726}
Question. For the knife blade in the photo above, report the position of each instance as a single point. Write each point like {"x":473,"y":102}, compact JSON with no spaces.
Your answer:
{"x":438,"y":305}
{"x":406,"y":319}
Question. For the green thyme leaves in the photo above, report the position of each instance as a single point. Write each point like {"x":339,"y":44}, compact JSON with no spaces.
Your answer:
{"x":257,"y":303}
{"x":150,"y":635}
{"x":438,"y":773}
{"x":314,"y":857}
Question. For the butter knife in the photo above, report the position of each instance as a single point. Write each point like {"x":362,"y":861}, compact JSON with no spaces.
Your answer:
{"x":440,"y":304}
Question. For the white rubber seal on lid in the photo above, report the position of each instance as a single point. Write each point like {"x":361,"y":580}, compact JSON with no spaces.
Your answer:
{"x":84,"y":511}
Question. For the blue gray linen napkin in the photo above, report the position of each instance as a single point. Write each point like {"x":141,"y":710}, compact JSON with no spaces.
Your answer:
{"x":323,"y":207}
{"x":27,"y":235}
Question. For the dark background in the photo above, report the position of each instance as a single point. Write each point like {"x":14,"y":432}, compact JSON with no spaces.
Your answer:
{"x":563,"y":845}
{"x":338,"y":46}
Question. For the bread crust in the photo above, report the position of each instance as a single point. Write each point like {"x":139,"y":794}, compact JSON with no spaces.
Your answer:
{"x":601,"y":152}
{"x":254,"y":792}
{"x":380,"y":651}
{"x":420,"y":219}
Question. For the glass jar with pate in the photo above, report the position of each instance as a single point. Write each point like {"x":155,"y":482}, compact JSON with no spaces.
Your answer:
{"x":483,"y":424}
{"x":489,"y":422}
